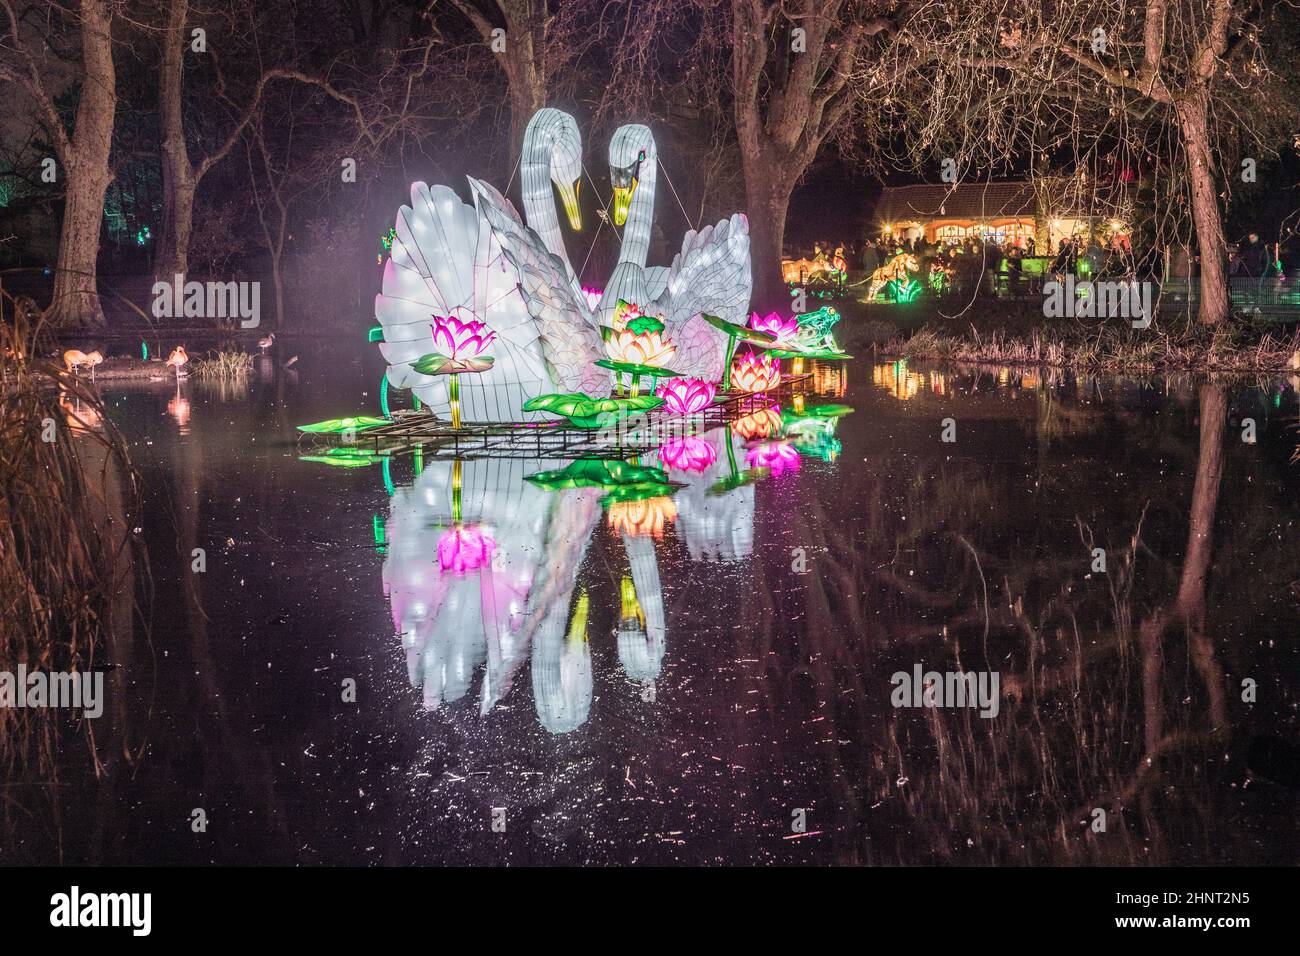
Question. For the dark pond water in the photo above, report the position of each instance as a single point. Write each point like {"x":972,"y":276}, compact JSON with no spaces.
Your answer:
{"x":706,"y":677}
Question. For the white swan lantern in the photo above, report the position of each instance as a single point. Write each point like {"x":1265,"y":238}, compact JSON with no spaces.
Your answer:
{"x":482,"y":262}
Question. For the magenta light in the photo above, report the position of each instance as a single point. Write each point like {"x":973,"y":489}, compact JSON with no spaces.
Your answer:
{"x":778,"y":456}
{"x":464,"y":549}
{"x":686,"y":396}
{"x":690,"y":453}
{"x":461,"y":340}
{"x":780,"y":327}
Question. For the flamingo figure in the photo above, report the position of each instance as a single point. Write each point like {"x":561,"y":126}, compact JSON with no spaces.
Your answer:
{"x":73,"y":359}
{"x":266,"y":342}
{"x":177,"y":360}
{"x":93,"y":359}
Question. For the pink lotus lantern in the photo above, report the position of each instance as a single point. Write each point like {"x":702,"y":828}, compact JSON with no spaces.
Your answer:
{"x":778,"y":326}
{"x":689,"y":453}
{"x":463,"y":549}
{"x":778,"y":456}
{"x":755,"y":372}
{"x":593,"y":297}
{"x":686,"y":396}
{"x":461,"y":341}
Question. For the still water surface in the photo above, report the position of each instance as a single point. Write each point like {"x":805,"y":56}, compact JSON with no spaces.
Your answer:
{"x":704,"y":676}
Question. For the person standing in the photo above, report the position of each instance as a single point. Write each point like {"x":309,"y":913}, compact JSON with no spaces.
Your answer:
{"x":1014,"y":265}
{"x":870,"y":257}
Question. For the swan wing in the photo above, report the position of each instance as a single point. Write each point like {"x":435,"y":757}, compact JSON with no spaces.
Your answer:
{"x":445,"y":261}
{"x":570,"y":339}
{"x":710,"y":275}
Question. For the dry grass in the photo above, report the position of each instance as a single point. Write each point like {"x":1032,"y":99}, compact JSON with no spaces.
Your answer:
{"x":224,"y":365}
{"x":1234,"y":350}
{"x":67,"y":497}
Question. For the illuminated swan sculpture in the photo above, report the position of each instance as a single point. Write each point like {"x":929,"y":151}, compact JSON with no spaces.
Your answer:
{"x":711,"y":274}
{"x":483,"y":262}
{"x":445,"y":260}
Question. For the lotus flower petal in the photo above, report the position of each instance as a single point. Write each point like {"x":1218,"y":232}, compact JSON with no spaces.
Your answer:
{"x":464,"y":549}
{"x":460,"y":340}
{"x":754,"y":372}
{"x":648,"y":348}
{"x":774,"y":324}
{"x":688,"y":453}
{"x":778,"y":456}
{"x":686,"y":396}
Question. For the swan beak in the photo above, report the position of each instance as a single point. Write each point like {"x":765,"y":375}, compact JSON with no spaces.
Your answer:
{"x":623,"y":202}
{"x":569,"y":195}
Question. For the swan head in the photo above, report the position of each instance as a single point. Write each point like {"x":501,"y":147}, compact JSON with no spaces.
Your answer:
{"x":552,"y":137}
{"x":631,"y":149}
{"x":566,"y":168}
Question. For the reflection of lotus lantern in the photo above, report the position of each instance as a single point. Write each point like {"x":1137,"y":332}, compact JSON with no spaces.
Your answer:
{"x":690,"y":453}
{"x":755,"y":372}
{"x":778,"y":326}
{"x":649,"y":516}
{"x":461,"y":341}
{"x":686,"y":396}
{"x":464,"y":549}
{"x":763,"y":423}
{"x":647,"y":348}
{"x":778,"y":456}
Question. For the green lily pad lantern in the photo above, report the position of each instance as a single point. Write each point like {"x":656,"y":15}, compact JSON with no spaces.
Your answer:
{"x":341,"y":426}
{"x":583,"y":411}
{"x":621,"y":480}
{"x":734,"y":334}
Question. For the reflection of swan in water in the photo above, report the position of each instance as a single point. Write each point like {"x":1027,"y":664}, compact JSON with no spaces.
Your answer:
{"x":562,"y":676}
{"x":451,"y":623}
{"x":716,"y":527}
{"x":642,"y":632}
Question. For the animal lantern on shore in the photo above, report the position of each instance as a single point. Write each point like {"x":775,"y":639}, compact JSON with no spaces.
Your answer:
{"x":799,"y":271}
{"x":900,"y":267}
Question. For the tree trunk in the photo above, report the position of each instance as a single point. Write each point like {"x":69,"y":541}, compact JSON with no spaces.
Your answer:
{"x":1205,"y":210}
{"x":1196,"y":565}
{"x":527,"y":96}
{"x":178,"y":224}
{"x":86,"y":174}
{"x":277,"y":279}
{"x":76,"y":297}
{"x":767,"y":189}
{"x":177,"y":172}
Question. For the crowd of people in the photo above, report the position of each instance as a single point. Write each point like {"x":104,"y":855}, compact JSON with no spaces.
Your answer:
{"x":984,"y":265}
{"x":993,"y":266}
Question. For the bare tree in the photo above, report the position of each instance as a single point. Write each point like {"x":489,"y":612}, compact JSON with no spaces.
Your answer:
{"x":791,"y":65}
{"x":1172,"y":82}
{"x":520,"y":49}
{"x":183,"y":171}
{"x":83,"y":153}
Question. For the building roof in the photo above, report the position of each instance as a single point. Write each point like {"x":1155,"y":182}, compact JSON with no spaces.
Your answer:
{"x":959,"y":201}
